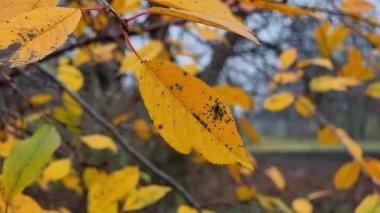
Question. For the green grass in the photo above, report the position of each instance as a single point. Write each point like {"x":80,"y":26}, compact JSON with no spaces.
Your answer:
{"x":291,"y":145}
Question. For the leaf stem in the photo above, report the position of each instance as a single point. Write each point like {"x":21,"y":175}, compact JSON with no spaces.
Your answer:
{"x":147,"y":12}
{"x":126,"y":36}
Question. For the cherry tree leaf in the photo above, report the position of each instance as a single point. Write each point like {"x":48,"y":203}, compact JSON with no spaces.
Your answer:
{"x":99,"y":142}
{"x":347,"y":175}
{"x":189,"y":114}
{"x":57,"y":170}
{"x":279,"y":101}
{"x":145,"y":196}
{"x":276,"y":176}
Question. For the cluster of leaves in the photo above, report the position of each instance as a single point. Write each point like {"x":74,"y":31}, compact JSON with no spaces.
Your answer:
{"x":187,"y":113}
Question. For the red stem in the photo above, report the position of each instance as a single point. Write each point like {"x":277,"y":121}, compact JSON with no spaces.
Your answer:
{"x":126,"y":36}
{"x":94,"y":8}
{"x":147,"y":12}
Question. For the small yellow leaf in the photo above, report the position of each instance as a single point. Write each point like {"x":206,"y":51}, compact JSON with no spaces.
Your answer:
{"x":327,"y":83}
{"x":109,"y":189}
{"x":352,"y":146}
{"x":71,"y":104}
{"x":355,"y":67}
{"x":302,"y":205}
{"x":144,"y":197}
{"x":70,"y":76}
{"x":119,"y":119}
{"x":373,"y":90}
{"x":245,"y":193}
{"x":235,"y":96}
{"x":276,"y":177}
{"x":41,"y":99}
{"x":370,"y":204}
{"x":372,"y":167}
{"x":322,"y":62}
{"x":282,"y":78}
{"x":57,"y":170}
{"x":287,"y":58}
{"x":99,"y":142}
{"x":73,"y":182}
{"x":189,"y":114}
{"x":31,"y":36}
{"x":21,"y":204}
{"x":330,"y":37}
{"x":142,"y":129}
{"x":327,"y":136}
{"x":208,"y":12}
{"x":234,"y":170}
{"x":347,"y":175}
{"x":356,"y":6}
{"x":305,"y":106}
{"x":124,"y":6}
{"x":279,"y":101}
{"x":246,"y":125}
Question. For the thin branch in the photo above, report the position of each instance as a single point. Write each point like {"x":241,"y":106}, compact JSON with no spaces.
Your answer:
{"x":122,"y":142}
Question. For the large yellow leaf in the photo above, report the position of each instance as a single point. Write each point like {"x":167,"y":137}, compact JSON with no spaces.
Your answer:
{"x":57,"y":170}
{"x":287,"y":58}
{"x":70,"y":76}
{"x":347,"y":175}
{"x":286,"y":9}
{"x":21,"y":204}
{"x":305,"y":106}
{"x":370,"y":204}
{"x":373,"y":90}
{"x":189,"y":114}
{"x":279,"y":101}
{"x":109,"y":189}
{"x":322,"y":62}
{"x":31,"y":36}
{"x":276,"y":177}
{"x":249,"y":129}
{"x":327,"y":83}
{"x":235,"y":96}
{"x":144,"y":197}
{"x":99,"y":142}
{"x":209,"y":12}
{"x":355,"y":67}
{"x":302,"y":205}
{"x":352,"y":146}
{"x":12,"y":8}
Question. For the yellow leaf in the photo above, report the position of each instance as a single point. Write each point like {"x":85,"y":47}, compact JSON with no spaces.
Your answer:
{"x":124,"y":6}
{"x":305,"y":106}
{"x":91,"y":175}
{"x":99,"y":142}
{"x":21,"y":204}
{"x":302,"y":205}
{"x":282,"y":78}
{"x":102,"y":52}
{"x":119,"y":119}
{"x":327,"y":83}
{"x":235,"y":96}
{"x":208,"y":12}
{"x":73,"y":182}
{"x":351,"y":145}
{"x":246,"y":125}
{"x":31,"y":36}
{"x":7,"y":145}
{"x":373,"y":90}
{"x":41,"y":99}
{"x":372,"y":167}
{"x":322,"y":62}
{"x":355,"y":67}
{"x":370,"y":204}
{"x":276,"y":177}
{"x":356,"y":6}
{"x":287,"y":58}
{"x":65,"y":116}
{"x":71,"y":104}
{"x":82,"y":56}
{"x":373,"y":38}
{"x":279,"y":101}
{"x":189,"y":114}
{"x":57,"y":170}
{"x":70,"y":76}
{"x":208,"y":34}
{"x":286,"y":9}
{"x":10,"y":9}
{"x":327,"y":136}
{"x":145,"y":196}
{"x":245,"y":193}
{"x":234,"y":170}
{"x":347,"y":175}
{"x":192,"y":69}
{"x":329,"y":37}
{"x":105,"y":191}
{"x":142,"y":129}
{"x":187,"y":209}
{"x":149,"y":51}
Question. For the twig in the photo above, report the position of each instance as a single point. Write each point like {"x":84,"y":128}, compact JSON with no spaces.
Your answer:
{"x":122,"y":142}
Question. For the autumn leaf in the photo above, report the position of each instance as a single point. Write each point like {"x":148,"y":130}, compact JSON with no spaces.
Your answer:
{"x":372,"y":167}
{"x":370,"y":204}
{"x":27,"y":159}
{"x":321,"y":62}
{"x":73,"y":182}
{"x":282,"y":78}
{"x":145,"y":196}
{"x":123,"y":6}
{"x":245,"y":193}
{"x":305,"y":106}
{"x":208,"y":12}
{"x":327,"y":136}
{"x":7,"y":145}
{"x":330,"y":37}
{"x":41,"y":99}
{"x":99,"y":142}
{"x":355,"y":67}
{"x":31,"y":36}
{"x":246,"y":125}
{"x":327,"y":83}
{"x":276,"y":177}
{"x":347,"y":175}
{"x":21,"y":204}
{"x":302,"y":205}
{"x":119,"y":119}
{"x":356,"y":6}
{"x":10,"y":9}
{"x":142,"y":129}
{"x":287,"y":58}
{"x":373,"y":90}
{"x":91,"y":175}
{"x":279,"y":101}
{"x":71,"y":77}
{"x":235,"y":96}
{"x":57,"y":170}
{"x":189,"y":114}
